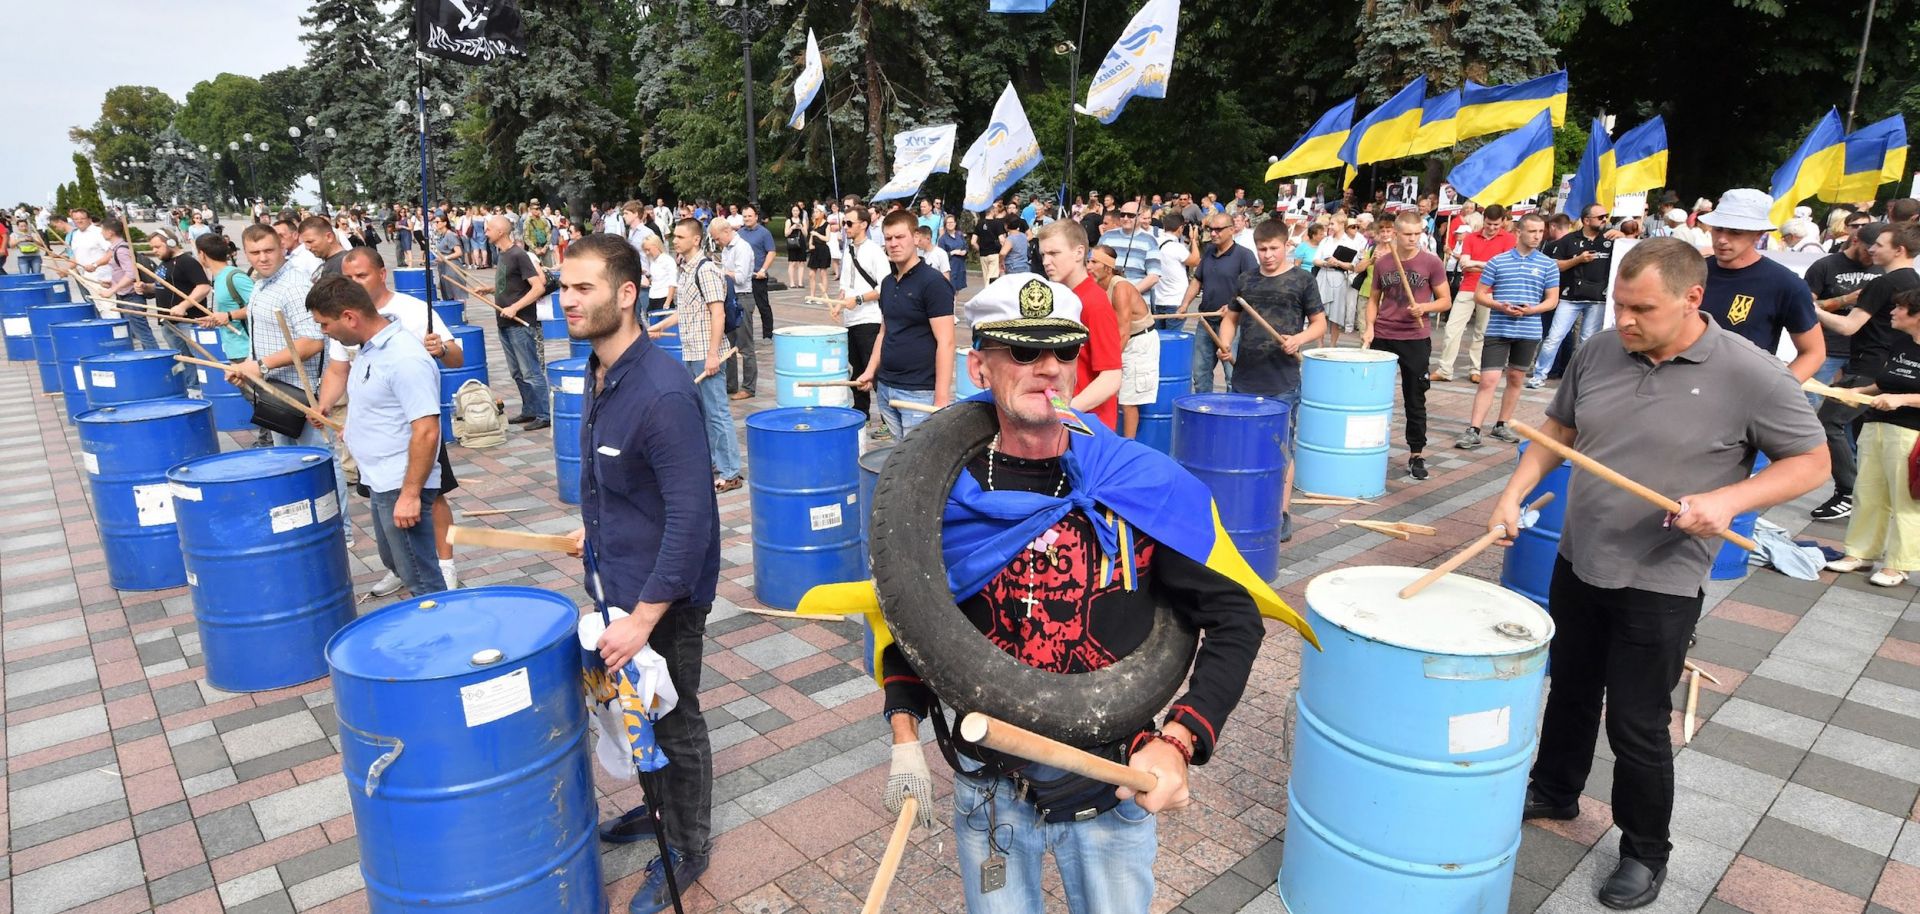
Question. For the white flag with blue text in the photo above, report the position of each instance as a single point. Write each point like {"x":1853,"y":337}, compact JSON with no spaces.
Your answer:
{"x":917,"y":154}
{"x":807,"y":84}
{"x":1001,"y":156}
{"x":1139,"y":63}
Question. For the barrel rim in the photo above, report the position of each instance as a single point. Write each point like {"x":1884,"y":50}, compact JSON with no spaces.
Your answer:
{"x":847,"y":418}
{"x":1343,"y":354}
{"x":130,"y":355}
{"x":810,"y":330}
{"x":142,"y":411}
{"x":293,"y":455}
{"x":568,"y":364}
{"x":1269,"y":406}
{"x":1429,"y":602}
{"x":387,"y":614}
{"x":86,"y":322}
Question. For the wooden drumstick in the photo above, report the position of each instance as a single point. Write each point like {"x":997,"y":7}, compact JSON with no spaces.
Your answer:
{"x":511,"y":539}
{"x":910,"y":406}
{"x":299,"y":364}
{"x":269,"y":389}
{"x":1693,"y":707}
{"x":1260,"y":319}
{"x":1475,"y":548}
{"x":488,"y":301}
{"x":724,"y":356}
{"x":1614,"y":478}
{"x":890,"y":861}
{"x":184,"y":297}
{"x":1001,"y":736}
{"x":1844,"y":395}
{"x":1183,"y":315}
{"x":826,"y":384}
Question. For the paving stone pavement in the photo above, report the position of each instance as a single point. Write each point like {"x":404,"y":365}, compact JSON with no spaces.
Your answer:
{"x":132,"y":785}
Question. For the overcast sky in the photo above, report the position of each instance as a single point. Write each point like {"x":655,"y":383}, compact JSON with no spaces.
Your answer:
{"x":172,"y":46}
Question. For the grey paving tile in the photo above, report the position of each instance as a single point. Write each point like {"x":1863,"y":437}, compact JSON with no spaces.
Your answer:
{"x":1228,"y":892}
{"x":1712,"y":819}
{"x":1887,"y":697}
{"x":1851,"y":782}
{"x":776,"y":650}
{"x":19,"y":703}
{"x":1719,"y":778}
{"x":311,"y":803}
{"x":199,"y":757}
{"x":244,"y":888}
{"x":1741,"y":748}
{"x":72,"y":823}
{"x":325,"y":887}
{"x":104,"y":761}
{"x":1841,"y":820}
{"x":1545,"y":857}
{"x":1815,"y":856}
{"x":52,"y":731}
{"x":181,"y":884}
{"x":228,"y":830}
{"x":314,"y":864}
{"x":768,"y":721}
{"x":737,"y":783}
{"x":790,"y":789}
{"x":44,"y":633}
{"x":285,"y":758}
{"x":267,"y":737}
{"x":1738,"y":633}
{"x":1875,"y":722}
{"x":1787,"y":697}
{"x":805,"y":755}
{"x":1807,"y":676}
{"x":730,"y":735}
{"x":167,"y":816}
{"x":1525,"y":897}
{"x":72,"y":883}
{"x":56,"y":798}
{"x":1769,"y":723}
{"x":1905,"y":675}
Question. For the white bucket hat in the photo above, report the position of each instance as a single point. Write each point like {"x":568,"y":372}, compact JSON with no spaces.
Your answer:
{"x":1742,"y":209}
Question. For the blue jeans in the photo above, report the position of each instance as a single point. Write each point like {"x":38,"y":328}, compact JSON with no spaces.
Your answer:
{"x":522,"y":346}
{"x":900,"y":421}
{"x":721,"y":443}
{"x":409,"y":552}
{"x":175,"y":339}
{"x":1563,"y":317}
{"x":27,"y":263}
{"x":141,"y":329}
{"x":1205,"y":356}
{"x":1106,"y":863}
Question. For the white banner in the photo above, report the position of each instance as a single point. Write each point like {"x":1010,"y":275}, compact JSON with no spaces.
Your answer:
{"x":917,"y":154}
{"x":1001,"y":156}
{"x":807,"y":84}
{"x":1139,"y":63}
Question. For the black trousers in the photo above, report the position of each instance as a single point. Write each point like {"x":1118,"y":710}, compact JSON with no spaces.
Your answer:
{"x":686,"y":785}
{"x":765,"y":307}
{"x":1842,"y":424}
{"x":1625,"y":648}
{"x":1413,"y":356}
{"x":860,"y":340}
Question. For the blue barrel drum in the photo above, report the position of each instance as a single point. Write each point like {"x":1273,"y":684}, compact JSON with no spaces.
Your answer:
{"x":963,"y":386}
{"x":579,"y":349}
{"x":670,"y":339}
{"x":40,"y":319}
{"x":463,"y":734}
{"x":231,"y":411}
{"x":1346,"y":408}
{"x":1730,"y":562}
{"x":15,"y":298}
{"x":567,"y":386}
{"x":1416,"y":725}
{"x":804,"y":475}
{"x":130,"y":377}
{"x":1528,"y":567}
{"x":1176,"y":381}
{"x":76,"y":340}
{"x":1237,"y":445}
{"x":127,"y":450}
{"x":553,"y":321}
{"x":473,"y":347}
{"x":810,"y":354}
{"x":266,"y":557}
{"x":411,"y":281}
{"x":451,"y":311}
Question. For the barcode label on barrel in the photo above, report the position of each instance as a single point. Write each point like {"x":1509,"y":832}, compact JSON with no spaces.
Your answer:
{"x":17,"y":326}
{"x":92,"y":462}
{"x":203,"y":375}
{"x":153,"y":504}
{"x":573,"y":384}
{"x":1479,"y":731}
{"x":120,"y":332}
{"x":326,"y":507}
{"x":291,"y":516}
{"x":102,"y":378}
{"x":806,"y":360}
{"x":486,"y":702}
{"x":824,"y":517}
{"x":1366,"y":431}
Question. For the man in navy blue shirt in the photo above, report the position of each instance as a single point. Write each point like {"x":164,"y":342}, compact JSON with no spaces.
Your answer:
{"x":756,"y":236}
{"x":1751,"y":295}
{"x":652,"y":531}
{"x":912,"y":358}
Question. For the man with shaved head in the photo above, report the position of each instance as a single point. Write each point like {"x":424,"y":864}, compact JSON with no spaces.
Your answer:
{"x":517,"y":283}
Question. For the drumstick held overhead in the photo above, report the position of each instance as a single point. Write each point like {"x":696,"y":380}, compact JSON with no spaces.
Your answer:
{"x":1609,"y":475}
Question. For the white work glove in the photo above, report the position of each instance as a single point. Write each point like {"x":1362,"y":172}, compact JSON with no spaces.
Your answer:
{"x":908,"y":777}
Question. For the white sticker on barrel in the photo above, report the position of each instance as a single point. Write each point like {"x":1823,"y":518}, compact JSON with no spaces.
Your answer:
{"x":92,"y":462}
{"x":185,"y":491}
{"x":193,"y":580}
{"x":835,"y":396}
{"x":79,"y":377}
{"x":1479,"y":731}
{"x":153,"y":504}
{"x":291,"y":516}
{"x":486,"y":702}
{"x":102,"y":378}
{"x":573,"y":384}
{"x":1366,"y":431}
{"x":830,"y":365}
{"x":203,"y":375}
{"x":549,"y":309}
{"x":806,"y":360}
{"x":120,"y":332}
{"x":326,"y":507}
{"x":17,"y":326}
{"x":207,"y":336}
{"x":824,"y":517}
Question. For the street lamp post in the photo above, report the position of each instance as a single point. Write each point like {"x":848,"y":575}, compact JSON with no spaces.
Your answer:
{"x":315,"y":147}
{"x":750,"y":18}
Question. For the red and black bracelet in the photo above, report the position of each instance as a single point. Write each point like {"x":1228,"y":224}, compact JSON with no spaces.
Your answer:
{"x":1146,"y":736}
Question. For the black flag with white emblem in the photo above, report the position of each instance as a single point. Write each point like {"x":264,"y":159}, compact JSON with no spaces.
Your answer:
{"x":469,"y":31}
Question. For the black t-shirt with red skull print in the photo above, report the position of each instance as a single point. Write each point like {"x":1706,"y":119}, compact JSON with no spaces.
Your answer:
{"x":1047,"y":609}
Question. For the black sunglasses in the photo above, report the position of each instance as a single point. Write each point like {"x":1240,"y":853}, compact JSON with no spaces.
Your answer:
{"x":1027,"y":355}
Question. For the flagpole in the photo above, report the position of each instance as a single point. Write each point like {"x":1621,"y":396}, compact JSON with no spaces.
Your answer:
{"x":826,"y":107}
{"x":1073,"y":91}
{"x":426,"y":222}
{"x":1860,"y":65}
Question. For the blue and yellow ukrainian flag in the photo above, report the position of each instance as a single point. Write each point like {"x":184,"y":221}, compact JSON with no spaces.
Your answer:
{"x":1319,"y":148}
{"x":1811,"y":167}
{"x":1438,"y":123}
{"x":1638,"y":161}
{"x":1876,"y":154}
{"x":1511,"y":168}
{"x":1491,"y":109}
{"x":1387,"y":131}
{"x":1591,"y":182}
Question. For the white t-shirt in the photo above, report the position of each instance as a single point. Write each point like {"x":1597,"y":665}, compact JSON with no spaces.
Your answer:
{"x":874,"y":261}
{"x":663,"y":216}
{"x":1244,"y":238}
{"x":88,"y":245}
{"x":1173,"y":272}
{"x":938,"y":259}
{"x":411,"y":313}
{"x":666,"y":275}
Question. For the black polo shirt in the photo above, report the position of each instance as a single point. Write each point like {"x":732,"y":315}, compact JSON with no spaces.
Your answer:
{"x":909,"y":304}
{"x":646,"y":482}
{"x":1585,"y":282}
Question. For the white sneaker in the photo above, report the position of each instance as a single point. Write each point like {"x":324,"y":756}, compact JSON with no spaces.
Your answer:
{"x":388,"y":585}
{"x":450,"y":573}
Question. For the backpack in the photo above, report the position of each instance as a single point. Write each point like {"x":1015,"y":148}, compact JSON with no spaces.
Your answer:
{"x":733,"y":313}
{"x":477,"y":422}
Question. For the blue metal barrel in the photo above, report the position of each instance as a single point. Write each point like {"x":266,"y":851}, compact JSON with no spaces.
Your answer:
{"x":130,"y":377}
{"x":963,"y":386}
{"x":127,"y":450}
{"x":1237,"y":445}
{"x":10,"y":280}
{"x":1176,"y":381}
{"x":579,"y":349}
{"x":450,"y":381}
{"x":451,"y":311}
{"x":671,"y":340}
{"x":1346,"y":410}
{"x":231,"y":411}
{"x":76,"y":340}
{"x":804,"y":473}
{"x":40,"y":319}
{"x":473,"y":347}
{"x":15,"y":298}
{"x":266,"y":558}
{"x":1730,"y":563}
{"x":567,"y":386}
{"x":1416,"y":724}
{"x":463,"y":735}
{"x":1528,"y":568}
{"x":411,"y":281}
{"x":553,"y":321}
{"x":810,"y":353}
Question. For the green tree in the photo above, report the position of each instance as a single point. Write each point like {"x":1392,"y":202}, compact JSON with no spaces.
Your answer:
{"x":86,"y":191}
{"x":446,"y":83}
{"x":131,"y":117}
{"x":220,"y":113}
{"x":352,"y":53}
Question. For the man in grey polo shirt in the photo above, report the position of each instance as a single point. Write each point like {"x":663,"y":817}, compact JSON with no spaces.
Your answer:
{"x":1669,"y":399}
{"x":393,"y":426}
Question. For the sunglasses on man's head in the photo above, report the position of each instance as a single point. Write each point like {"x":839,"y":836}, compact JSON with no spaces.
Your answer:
{"x":1027,"y":355}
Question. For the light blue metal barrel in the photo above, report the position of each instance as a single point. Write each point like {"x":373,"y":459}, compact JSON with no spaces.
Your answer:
{"x":1346,"y":409}
{"x":670,"y":341}
{"x":1415,"y":727}
{"x":267,"y":563}
{"x":40,"y":319}
{"x":463,"y":733}
{"x":130,"y":377}
{"x":1176,"y":381}
{"x":804,"y":473}
{"x":231,"y":411}
{"x":807,"y":354}
{"x":411,"y":281}
{"x":1528,"y":568}
{"x":15,"y":298}
{"x":451,"y":311}
{"x":1730,"y":563}
{"x":1237,"y":445}
{"x":76,"y":340}
{"x":553,"y":321}
{"x":567,"y":386}
{"x":127,"y":450}
{"x":963,"y":386}
{"x":450,"y":381}
{"x":473,"y":347}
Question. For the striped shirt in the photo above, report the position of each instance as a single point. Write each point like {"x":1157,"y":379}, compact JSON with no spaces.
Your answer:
{"x":285,"y":292}
{"x":1519,"y":280}
{"x":1135,"y":253}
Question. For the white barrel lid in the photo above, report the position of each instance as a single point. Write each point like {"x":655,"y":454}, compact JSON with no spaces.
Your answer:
{"x":811,"y":330}
{"x":1342,"y":354}
{"x":1456,"y":615}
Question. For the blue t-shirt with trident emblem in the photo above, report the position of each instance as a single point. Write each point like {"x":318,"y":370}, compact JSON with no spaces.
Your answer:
{"x":1758,"y":301}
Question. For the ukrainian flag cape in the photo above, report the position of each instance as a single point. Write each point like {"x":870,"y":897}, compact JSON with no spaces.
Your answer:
{"x":1120,"y":484}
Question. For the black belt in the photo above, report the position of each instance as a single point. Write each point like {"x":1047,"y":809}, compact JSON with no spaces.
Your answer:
{"x":1139,"y":333}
